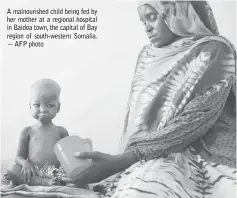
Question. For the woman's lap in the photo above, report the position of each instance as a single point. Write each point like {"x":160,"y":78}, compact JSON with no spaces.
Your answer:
{"x":178,"y":175}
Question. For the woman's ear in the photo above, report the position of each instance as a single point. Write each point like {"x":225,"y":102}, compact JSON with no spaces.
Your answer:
{"x":30,"y":105}
{"x":59,"y":105}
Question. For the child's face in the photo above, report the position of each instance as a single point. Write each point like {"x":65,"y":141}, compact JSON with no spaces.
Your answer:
{"x":44,"y":106}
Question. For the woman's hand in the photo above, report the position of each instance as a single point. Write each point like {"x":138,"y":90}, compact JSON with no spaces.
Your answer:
{"x":102,"y":166}
{"x":27,"y":171}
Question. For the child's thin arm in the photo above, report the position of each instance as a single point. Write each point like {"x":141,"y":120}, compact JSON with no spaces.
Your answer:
{"x":27,"y":169}
{"x":22,"y":152}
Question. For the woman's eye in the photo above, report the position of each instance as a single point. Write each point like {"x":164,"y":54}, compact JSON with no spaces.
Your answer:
{"x":153,"y":17}
{"x":36,"y":105}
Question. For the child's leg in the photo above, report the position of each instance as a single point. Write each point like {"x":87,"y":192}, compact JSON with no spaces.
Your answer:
{"x":14,"y":173}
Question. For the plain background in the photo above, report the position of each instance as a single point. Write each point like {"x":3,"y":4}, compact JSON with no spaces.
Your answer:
{"x":94,"y":75}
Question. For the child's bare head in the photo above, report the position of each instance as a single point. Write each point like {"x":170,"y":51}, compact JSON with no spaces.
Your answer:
{"x":44,"y":99}
{"x":45,"y":88}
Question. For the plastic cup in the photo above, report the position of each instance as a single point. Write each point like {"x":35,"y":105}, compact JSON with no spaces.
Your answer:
{"x":65,"y":149}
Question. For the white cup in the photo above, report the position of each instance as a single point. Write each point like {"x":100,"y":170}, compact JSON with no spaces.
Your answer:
{"x":65,"y":150}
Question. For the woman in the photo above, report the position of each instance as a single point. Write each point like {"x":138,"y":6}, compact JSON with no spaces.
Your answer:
{"x":179,"y":137}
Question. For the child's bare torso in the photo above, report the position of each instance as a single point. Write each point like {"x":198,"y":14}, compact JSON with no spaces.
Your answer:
{"x":41,"y":145}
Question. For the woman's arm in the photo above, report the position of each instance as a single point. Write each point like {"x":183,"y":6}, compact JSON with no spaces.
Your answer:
{"x":102,"y":166}
{"x":200,"y":113}
{"x":195,"y":120}
{"x":125,"y":160}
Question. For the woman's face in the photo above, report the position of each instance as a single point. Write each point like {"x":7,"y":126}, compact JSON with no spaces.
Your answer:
{"x":157,"y":31}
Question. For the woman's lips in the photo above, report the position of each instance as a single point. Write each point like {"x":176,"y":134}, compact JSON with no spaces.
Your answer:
{"x":152,"y":38}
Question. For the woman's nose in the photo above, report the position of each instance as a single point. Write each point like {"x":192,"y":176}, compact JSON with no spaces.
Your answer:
{"x":148,"y":27}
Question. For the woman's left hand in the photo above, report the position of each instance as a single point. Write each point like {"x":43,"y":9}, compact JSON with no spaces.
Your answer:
{"x":102,"y":166}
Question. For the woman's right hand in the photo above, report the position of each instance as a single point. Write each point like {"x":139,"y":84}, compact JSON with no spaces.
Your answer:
{"x":27,"y":171}
{"x":102,"y":166}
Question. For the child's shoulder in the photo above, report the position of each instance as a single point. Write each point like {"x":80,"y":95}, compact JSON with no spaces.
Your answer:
{"x":63,"y":131}
{"x":60,"y":128}
{"x":26,"y":131}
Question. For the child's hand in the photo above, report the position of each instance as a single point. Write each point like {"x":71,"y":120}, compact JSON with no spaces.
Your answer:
{"x":54,"y":181}
{"x":27,"y":171}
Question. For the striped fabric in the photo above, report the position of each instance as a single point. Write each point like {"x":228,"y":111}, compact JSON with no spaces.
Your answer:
{"x":179,"y":175}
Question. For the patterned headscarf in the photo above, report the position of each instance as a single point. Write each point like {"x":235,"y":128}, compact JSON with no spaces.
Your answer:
{"x":186,"y":18}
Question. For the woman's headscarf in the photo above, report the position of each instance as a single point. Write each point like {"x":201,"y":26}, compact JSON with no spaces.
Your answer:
{"x":186,"y":18}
